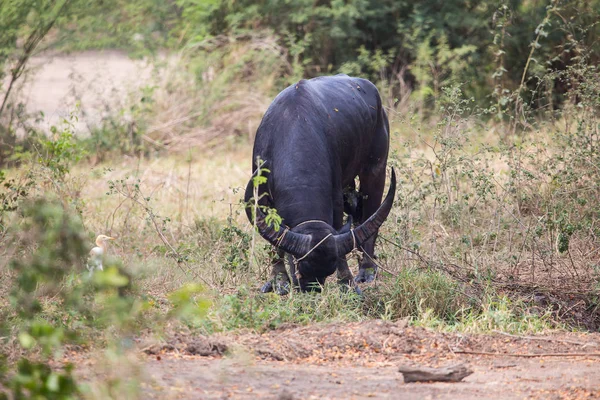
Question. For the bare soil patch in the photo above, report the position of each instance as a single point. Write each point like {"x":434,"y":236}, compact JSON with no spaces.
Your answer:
{"x":98,"y":82}
{"x":360,"y":360}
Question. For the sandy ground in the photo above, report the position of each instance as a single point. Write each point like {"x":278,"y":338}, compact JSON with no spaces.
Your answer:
{"x":500,"y":378}
{"x":360,"y":361}
{"x":98,"y":81}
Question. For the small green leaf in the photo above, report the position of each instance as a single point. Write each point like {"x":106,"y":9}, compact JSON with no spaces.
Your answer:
{"x":26,"y":340}
{"x":53,"y":382}
{"x":110,"y":277}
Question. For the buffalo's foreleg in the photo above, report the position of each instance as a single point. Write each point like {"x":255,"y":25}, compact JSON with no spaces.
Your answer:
{"x":371,"y":186}
{"x":351,"y":205}
{"x":279,"y":280}
{"x":344,"y":275}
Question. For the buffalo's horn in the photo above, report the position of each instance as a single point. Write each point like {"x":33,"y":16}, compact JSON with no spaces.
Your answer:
{"x":297,"y":244}
{"x":346,"y":242}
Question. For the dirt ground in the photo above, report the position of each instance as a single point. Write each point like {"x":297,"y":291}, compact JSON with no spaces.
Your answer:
{"x":97,"y":81}
{"x":360,"y":361}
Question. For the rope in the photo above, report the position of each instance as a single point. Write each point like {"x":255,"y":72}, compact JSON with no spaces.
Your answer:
{"x":314,"y":247}
{"x":322,"y":240}
{"x":323,"y":222}
{"x":280,"y":238}
{"x":297,"y":260}
{"x":311,"y":220}
{"x":287,"y":228}
{"x":354,"y":248}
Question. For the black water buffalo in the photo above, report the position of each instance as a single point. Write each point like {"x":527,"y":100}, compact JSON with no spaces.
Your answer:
{"x":316,"y":137}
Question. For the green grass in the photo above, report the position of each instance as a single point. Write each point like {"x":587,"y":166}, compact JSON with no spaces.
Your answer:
{"x":246,"y":309}
{"x":425,"y":298}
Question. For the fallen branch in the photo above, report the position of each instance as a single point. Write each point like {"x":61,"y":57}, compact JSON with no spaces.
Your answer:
{"x":527,"y":355}
{"x":455,"y":373}
{"x":547,"y":339}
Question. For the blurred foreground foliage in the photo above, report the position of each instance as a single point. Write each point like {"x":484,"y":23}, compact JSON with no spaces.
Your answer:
{"x":50,"y":303}
{"x":54,"y":304}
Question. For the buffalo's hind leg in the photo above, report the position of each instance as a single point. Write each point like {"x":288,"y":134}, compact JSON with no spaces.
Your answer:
{"x":279,"y":280}
{"x":351,"y":206}
{"x":371,"y":185}
{"x":344,"y":276}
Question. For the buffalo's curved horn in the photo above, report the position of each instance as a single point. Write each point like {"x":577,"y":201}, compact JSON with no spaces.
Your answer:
{"x":297,"y":244}
{"x":346,"y":242}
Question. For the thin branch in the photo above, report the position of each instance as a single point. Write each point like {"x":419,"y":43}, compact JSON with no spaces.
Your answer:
{"x":162,"y":237}
{"x":545,"y":339}
{"x":527,"y":355}
{"x":30,"y":45}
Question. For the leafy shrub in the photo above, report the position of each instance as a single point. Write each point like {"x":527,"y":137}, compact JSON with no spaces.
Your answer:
{"x":59,"y":247}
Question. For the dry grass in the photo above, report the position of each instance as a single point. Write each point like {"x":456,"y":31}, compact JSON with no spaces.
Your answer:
{"x":224,"y":93}
{"x":196,"y":195}
{"x":484,"y":241}
{"x":487,"y":240}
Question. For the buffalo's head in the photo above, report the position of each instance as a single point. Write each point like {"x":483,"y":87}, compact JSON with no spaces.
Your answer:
{"x":315,"y":246}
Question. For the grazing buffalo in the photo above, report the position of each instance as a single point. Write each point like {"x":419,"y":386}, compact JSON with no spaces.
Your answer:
{"x":317,"y":136}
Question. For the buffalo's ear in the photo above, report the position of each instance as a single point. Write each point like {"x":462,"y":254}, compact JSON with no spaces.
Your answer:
{"x":347,"y":226}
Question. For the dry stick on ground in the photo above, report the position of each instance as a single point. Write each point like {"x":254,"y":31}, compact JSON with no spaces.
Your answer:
{"x":546,"y":339}
{"x":526,"y":355}
{"x":455,"y":373}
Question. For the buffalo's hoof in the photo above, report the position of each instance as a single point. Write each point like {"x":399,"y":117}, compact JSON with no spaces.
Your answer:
{"x":267,"y":287}
{"x":358,"y":290}
{"x":366,"y":275}
{"x":347,"y":285}
{"x":282,"y":288}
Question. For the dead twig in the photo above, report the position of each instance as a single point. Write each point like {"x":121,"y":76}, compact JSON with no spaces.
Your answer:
{"x":526,"y":355}
{"x":143,"y":201}
{"x":424,"y":261}
{"x":546,"y":339}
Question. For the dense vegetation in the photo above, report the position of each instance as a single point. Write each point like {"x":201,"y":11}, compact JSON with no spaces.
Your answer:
{"x":494,"y":108}
{"x":492,"y":48}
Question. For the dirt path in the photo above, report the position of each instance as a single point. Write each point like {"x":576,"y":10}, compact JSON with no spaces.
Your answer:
{"x":501,"y":378}
{"x":359,"y":361}
{"x":98,"y":81}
